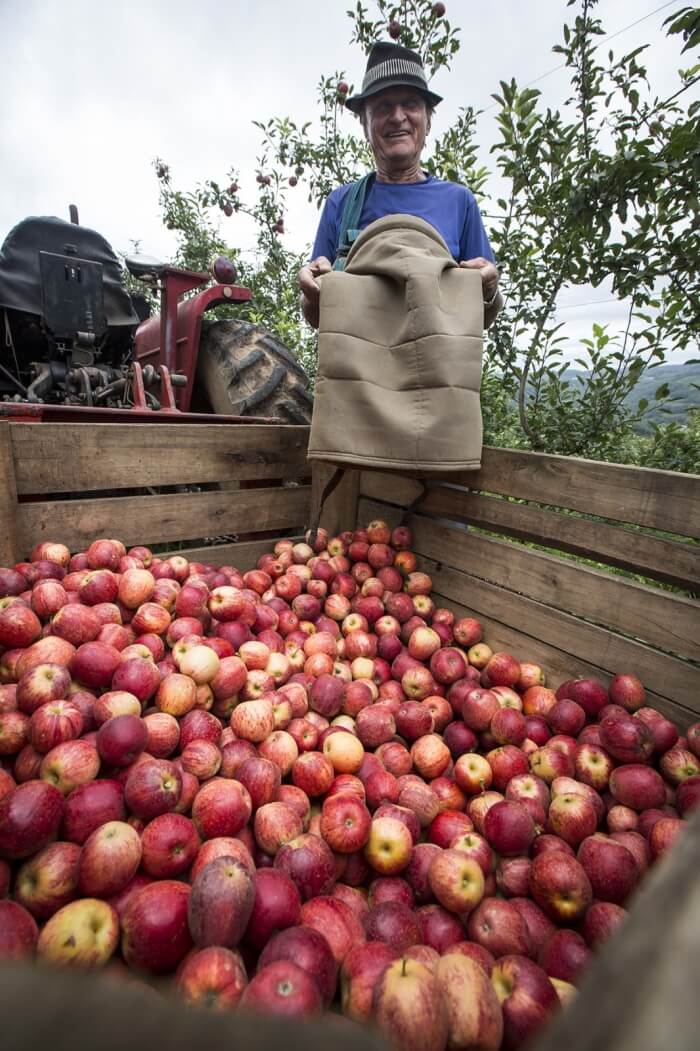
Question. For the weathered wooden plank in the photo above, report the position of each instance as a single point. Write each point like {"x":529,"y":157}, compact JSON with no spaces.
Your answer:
{"x":558,"y":665}
{"x":666,"y":500}
{"x":664,"y":620}
{"x":340,"y":508}
{"x":671,"y":622}
{"x":10,"y":547}
{"x":667,"y":561}
{"x":667,"y":676}
{"x":640,"y":993}
{"x":161,"y":519}
{"x":137,"y":455}
{"x":243,"y":555}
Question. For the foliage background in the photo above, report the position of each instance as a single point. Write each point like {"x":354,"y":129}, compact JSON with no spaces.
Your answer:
{"x":607,"y":185}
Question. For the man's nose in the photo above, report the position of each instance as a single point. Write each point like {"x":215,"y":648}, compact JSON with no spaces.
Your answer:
{"x":397,"y":112}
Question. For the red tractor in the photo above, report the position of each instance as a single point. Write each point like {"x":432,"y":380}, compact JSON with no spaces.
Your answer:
{"x":77,"y":346}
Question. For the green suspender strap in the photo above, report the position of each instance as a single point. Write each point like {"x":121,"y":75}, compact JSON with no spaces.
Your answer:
{"x":350,"y":221}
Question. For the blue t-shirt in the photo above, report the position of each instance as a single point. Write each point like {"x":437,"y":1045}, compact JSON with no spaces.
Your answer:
{"x":450,"y":208}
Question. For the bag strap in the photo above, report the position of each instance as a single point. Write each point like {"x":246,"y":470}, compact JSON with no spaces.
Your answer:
{"x":350,"y":220}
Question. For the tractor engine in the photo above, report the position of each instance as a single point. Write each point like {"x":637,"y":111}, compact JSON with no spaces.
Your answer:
{"x":67,"y":322}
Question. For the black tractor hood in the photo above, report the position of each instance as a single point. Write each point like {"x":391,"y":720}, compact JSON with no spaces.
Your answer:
{"x":20,"y":276}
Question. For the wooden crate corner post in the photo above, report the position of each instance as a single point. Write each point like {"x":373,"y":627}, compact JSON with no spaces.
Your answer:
{"x":10,"y":552}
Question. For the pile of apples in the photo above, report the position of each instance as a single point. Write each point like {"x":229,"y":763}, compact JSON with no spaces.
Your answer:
{"x":305,"y":785}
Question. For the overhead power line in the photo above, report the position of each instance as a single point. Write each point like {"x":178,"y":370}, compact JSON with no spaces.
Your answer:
{"x":608,"y":36}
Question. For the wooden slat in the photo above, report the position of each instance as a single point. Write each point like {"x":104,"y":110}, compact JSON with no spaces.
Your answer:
{"x":640,"y":992}
{"x":665,"y":500}
{"x":10,"y":547}
{"x":667,"y":561}
{"x":340,"y":508}
{"x":664,"y":675}
{"x":77,"y":457}
{"x":557,"y":665}
{"x":667,"y":621}
{"x":243,"y":555}
{"x":162,"y":518}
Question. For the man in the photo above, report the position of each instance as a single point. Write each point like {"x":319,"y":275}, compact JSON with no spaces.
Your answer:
{"x":395,"y":107}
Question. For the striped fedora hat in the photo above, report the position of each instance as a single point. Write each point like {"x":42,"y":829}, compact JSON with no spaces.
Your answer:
{"x":392,"y":66}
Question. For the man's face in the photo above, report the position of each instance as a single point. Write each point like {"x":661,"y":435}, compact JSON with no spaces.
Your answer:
{"x":396,"y":123}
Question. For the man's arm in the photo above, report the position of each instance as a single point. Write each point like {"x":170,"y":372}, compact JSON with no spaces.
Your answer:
{"x":493,"y":300}
{"x":310,"y":288}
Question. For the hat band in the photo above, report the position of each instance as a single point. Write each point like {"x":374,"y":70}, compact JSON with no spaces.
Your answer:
{"x":393,"y":67}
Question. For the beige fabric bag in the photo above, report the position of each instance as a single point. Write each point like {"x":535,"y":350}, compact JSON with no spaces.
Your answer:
{"x":399,"y":355}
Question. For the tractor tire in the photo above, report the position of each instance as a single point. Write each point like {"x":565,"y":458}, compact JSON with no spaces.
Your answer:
{"x":242,"y":370}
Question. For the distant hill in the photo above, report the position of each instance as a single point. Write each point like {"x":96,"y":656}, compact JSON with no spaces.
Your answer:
{"x":680,"y":380}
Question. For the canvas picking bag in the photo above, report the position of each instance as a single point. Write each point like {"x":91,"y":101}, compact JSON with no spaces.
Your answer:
{"x":399,"y":355}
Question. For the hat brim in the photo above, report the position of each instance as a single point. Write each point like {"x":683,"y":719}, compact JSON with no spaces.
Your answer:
{"x":356,"y":102}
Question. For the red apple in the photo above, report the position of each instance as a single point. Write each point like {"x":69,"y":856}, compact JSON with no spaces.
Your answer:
{"x":627,"y":739}
{"x":221,"y":808}
{"x":310,"y":951}
{"x":393,"y":923}
{"x":362,"y":968}
{"x":109,"y":859}
{"x":309,"y":862}
{"x":409,"y":1009}
{"x":152,"y":787}
{"x":457,"y":881}
{"x":276,"y":824}
{"x":345,"y":823}
{"x":18,"y":930}
{"x":589,"y":693}
{"x":42,"y":684}
{"x":283,"y":989}
{"x":440,"y":929}
{"x":638,"y":786}
{"x":564,"y":956}
{"x":336,"y":921}
{"x":509,"y":828}
{"x":474,"y":1014}
{"x":572,"y":817}
{"x":170,"y":844}
{"x":221,"y":903}
{"x":388,"y":849}
{"x":90,"y":805}
{"x":527,"y":997}
{"x":49,"y":880}
{"x":276,"y":906}
{"x":83,"y":933}
{"x":121,"y":739}
{"x":560,"y":886}
{"x":155,"y":933}
{"x":30,"y":816}
{"x":212,"y":978}
{"x":601,"y":921}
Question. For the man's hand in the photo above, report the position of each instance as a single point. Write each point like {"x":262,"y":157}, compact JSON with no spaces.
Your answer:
{"x":489,"y":275}
{"x":310,"y":288}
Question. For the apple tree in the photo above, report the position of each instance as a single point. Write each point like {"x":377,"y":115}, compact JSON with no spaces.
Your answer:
{"x":602,"y":190}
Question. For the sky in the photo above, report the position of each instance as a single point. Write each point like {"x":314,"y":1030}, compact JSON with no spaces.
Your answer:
{"x":92,"y":93}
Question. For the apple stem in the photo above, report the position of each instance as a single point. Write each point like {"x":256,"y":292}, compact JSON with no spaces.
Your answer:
{"x":403,"y":967}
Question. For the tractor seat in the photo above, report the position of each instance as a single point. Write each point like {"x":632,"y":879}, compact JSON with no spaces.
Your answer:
{"x":144,"y":266}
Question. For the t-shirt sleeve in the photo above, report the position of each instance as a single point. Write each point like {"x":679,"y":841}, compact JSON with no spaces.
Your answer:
{"x":326,"y":242}
{"x":474,"y":240}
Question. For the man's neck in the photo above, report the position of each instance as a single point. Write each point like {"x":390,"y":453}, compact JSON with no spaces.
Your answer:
{"x":413,"y":174}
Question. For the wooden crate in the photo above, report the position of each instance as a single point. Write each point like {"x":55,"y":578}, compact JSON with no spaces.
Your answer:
{"x":173,"y":484}
{"x":500,"y":546}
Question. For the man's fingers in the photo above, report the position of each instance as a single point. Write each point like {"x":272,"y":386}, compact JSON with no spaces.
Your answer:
{"x":475,"y":264}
